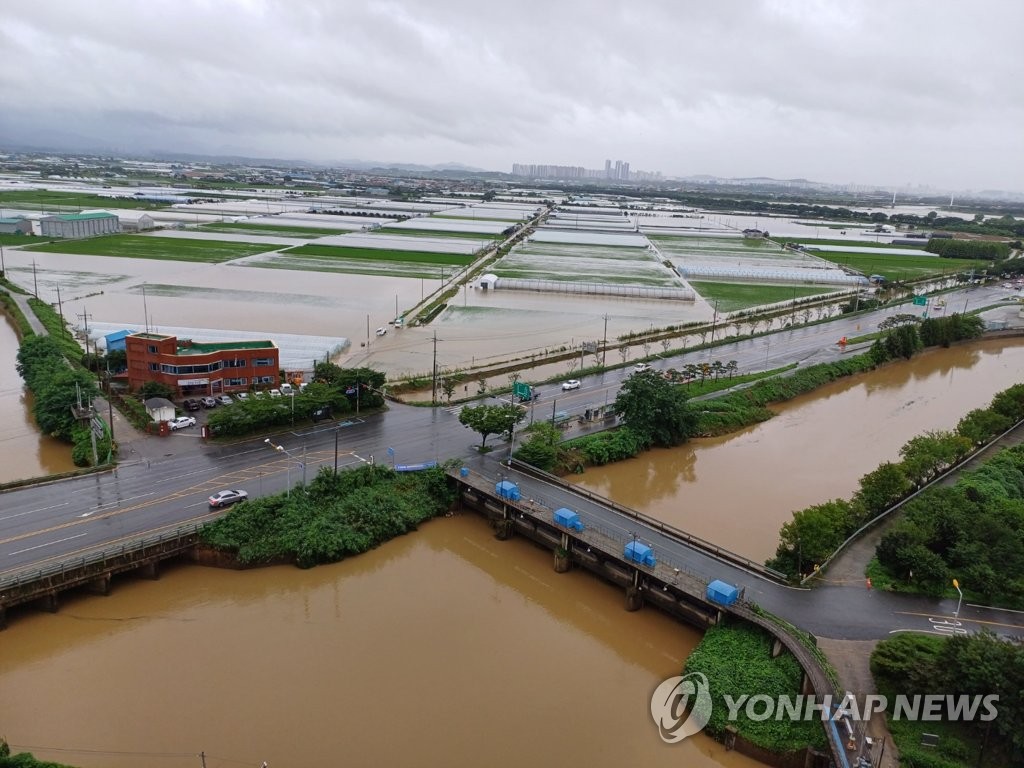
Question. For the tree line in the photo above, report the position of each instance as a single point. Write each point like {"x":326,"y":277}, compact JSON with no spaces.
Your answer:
{"x":56,"y":387}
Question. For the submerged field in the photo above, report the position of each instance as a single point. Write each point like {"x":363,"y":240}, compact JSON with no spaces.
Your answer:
{"x":586,"y":264}
{"x":735,"y":296}
{"x":901,"y":266}
{"x":378,"y":254}
{"x":246,"y":228}
{"x":143,"y":247}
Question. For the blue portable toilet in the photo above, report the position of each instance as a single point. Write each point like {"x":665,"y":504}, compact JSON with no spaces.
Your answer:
{"x":638,"y":552}
{"x":506,"y":489}
{"x":569,"y":519}
{"x":722,"y":593}
{"x":464,"y":472}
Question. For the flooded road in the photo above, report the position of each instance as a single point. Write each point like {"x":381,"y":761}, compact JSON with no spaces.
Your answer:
{"x":738,"y":490}
{"x":442,"y":648}
{"x":24,"y":452}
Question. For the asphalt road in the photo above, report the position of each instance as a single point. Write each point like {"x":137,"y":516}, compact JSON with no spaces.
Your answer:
{"x":48,"y":523}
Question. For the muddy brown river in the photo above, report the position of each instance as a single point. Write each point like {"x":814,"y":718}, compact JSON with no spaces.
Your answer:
{"x":447,"y":647}
{"x":739,"y":489}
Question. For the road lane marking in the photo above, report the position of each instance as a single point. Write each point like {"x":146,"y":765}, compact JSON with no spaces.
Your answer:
{"x":973,"y":621}
{"x":47,"y":544}
{"x":30,"y":511}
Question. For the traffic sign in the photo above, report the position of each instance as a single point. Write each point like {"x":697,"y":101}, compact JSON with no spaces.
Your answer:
{"x":920,"y":301}
{"x":521,"y":389}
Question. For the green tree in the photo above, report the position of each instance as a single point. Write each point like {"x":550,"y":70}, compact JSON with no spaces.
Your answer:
{"x":491,"y":419}
{"x":811,"y":536}
{"x":982,"y":424}
{"x":882,"y":488}
{"x":156,"y":389}
{"x":655,"y":409}
{"x":927,"y":455}
{"x":540,"y":446}
{"x":53,"y":401}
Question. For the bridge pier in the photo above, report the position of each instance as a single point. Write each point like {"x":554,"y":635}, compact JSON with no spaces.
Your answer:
{"x":562,"y":560}
{"x":777,"y":647}
{"x":100,"y":585}
{"x":48,"y":602}
{"x":503,"y":529}
{"x":634,"y":599}
{"x":150,"y":570}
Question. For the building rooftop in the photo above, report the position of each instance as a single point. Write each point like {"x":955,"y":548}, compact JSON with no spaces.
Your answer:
{"x":187,"y":347}
{"x":14,"y":220}
{"x":82,"y":216}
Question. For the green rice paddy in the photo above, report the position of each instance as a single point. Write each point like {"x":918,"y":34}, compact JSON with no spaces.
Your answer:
{"x":378,"y":254}
{"x":735,"y":296}
{"x":144,"y":247}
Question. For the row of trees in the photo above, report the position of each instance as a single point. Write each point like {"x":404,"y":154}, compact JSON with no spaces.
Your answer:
{"x":970,"y":665}
{"x":816,"y":532}
{"x":56,"y":387}
{"x":968,"y":249}
{"x":334,"y":391}
{"x":907,"y":334}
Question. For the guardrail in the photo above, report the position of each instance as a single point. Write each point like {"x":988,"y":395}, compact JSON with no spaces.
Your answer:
{"x":664,"y":528}
{"x":64,"y":567}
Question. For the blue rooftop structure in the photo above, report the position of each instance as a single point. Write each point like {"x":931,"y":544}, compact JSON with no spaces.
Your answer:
{"x":115,"y":340}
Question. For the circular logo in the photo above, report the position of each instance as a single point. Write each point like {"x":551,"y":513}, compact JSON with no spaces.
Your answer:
{"x":681,"y":706}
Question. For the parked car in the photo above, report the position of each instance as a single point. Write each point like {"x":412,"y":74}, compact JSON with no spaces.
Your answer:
{"x":225,"y":399}
{"x":242,"y":396}
{"x":208,"y":402}
{"x":382,"y":331}
{"x":570,"y":384}
{"x":181,"y":422}
{"x":641,"y":367}
{"x":275,"y":393}
{"x":287,"y":390}
{"x":191,"y":404}
{"x":227,"y":498}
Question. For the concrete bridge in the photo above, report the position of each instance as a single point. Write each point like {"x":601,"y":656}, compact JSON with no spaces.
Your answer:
{"x":94,"y":570}
{"x":667,"y":582}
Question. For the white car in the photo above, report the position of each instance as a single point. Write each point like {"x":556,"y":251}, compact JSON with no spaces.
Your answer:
{"x":227,"y":498}
{"x":275,"y":393}
{"x":382,"y":331}
{"x":242,"y":396}
{"x":181,"y":422}
{"x":570,"y":384}
{"x":224,"y":399}
{"x":641,"y":367}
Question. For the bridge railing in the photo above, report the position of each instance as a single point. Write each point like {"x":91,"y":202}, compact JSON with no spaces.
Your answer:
{"x":28,"y":575}
{"x":661,"y":527}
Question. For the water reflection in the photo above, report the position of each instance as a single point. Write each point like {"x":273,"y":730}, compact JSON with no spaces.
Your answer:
{"x":442,"y":648}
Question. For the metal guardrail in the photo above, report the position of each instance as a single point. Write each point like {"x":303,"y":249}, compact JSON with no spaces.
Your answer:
{"x":29,"y":575}
{"x":881,"y":516}
{"x":664,"y":528}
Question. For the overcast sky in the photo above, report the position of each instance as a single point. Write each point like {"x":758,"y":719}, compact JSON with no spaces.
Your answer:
{"x":865,"y":91}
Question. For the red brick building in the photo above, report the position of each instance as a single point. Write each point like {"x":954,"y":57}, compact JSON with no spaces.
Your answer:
{"x":196,"y":369}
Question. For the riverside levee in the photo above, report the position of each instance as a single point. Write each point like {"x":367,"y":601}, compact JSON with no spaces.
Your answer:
{"x":667,"y":584}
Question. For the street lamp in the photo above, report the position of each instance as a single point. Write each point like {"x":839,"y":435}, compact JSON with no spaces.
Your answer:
{"x":301,"y":462}
{"x":956,"y":614}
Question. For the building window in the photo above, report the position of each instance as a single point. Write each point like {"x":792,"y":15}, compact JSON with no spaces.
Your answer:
{"x":236,"y":363}
{"x":155,"y":367}
{"x":152,"y":349}
{"x":165,"y":368}
{"x":264,"y":380}
{"x":237,"y":382}
{"x":262,"y":361}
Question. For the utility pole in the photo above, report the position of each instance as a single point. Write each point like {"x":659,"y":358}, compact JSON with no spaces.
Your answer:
{"x":604,"y":343}
{"x":433,"y":388}
{"x":60,"y":310}
{"x":35,"y":283}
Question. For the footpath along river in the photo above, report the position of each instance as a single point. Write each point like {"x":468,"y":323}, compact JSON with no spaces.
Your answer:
{"x":446,"y":647}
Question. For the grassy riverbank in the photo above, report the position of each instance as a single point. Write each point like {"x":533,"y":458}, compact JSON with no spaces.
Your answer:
{"x":736,"y":659}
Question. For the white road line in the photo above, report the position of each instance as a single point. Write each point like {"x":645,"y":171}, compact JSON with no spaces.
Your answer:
{"x":29,"y":512}
{"x":47,"y":544}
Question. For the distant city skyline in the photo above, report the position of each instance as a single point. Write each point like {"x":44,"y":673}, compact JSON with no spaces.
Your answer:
{"x":869,"y":93}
